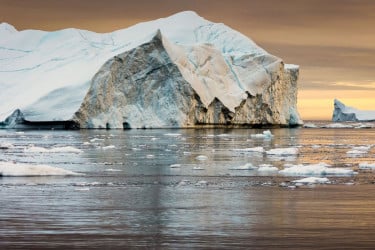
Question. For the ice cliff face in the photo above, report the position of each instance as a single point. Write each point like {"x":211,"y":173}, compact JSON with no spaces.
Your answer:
{"x":180,"y":71}
{"x":342,"y":113}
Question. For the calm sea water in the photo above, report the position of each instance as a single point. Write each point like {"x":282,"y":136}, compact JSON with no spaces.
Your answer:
{"x":168,"y":189}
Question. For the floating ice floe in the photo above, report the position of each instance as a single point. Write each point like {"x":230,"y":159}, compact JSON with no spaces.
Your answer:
{"x":21,"y":169}
{"x":96,"y":139}
{"x":198,"y":168}
{"x":282,"y":151}
{"x":337,"y":125}
{"x":250,"y":150}
{"x":312,"y":180}
{"x":112,"y":170}
{"x":310,"y":125}
{"x":6,"y":145}
{"x":201,"y":158}
{"x":67,"y":149}
{"x":265,"y":135}
{"x":363,"y":125}
{"x":172,"y":134}
{"x":359,"y":150}
{"x":319,"y":169}
{"x":356,"y":152}
{"x":201,"y":183}
{"x":362,"y":148}
{"x":267,"y":168}
{"x":247,"y":166}
{"x":175,"y":166}
{"x":365,"y":165}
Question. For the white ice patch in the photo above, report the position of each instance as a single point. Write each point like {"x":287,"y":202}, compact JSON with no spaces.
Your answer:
{"x":247,"y":166}
{"x":319,"y":169}
{"x":21,"y":169}
{"x":312,"y":180}
{"x":282,"y":151}
{"x":365,"y":165}
{"x":201,"y":158}
{"x":67,"y":149}
{"x":265,"y":135}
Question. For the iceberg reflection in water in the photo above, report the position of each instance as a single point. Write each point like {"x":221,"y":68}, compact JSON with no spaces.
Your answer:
{"x":123,"y":197}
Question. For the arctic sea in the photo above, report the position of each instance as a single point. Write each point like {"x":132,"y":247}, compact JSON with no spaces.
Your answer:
{"x":302,"y":188}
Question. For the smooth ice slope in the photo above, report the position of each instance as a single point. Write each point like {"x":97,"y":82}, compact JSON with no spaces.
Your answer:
{"x":228,"y":79}
{"x":342,"y":113}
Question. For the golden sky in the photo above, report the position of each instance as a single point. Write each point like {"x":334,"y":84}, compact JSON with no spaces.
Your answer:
{"x":333,"y":41}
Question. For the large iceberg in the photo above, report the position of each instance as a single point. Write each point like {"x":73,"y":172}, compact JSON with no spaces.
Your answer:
{"x":180,"y":71}
{"x":342,"y":113}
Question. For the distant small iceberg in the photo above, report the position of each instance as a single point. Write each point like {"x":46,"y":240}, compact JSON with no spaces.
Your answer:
{"x":343,"y":113}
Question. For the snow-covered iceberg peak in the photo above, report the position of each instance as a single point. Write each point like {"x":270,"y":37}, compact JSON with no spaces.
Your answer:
{"x":7,"y":29}
{"x":179,"y":71}
{"x":343,"y":113}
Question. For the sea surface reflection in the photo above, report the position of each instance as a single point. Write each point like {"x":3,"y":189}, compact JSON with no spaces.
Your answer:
{"x":168,"y":189}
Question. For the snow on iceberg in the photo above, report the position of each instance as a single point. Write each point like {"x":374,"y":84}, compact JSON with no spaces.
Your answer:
{"x":282,"y":151}
{"x":319,"y":169}
{"x":21,"y":169}
{"x":180,"y":71}
{"x":343,"y":113}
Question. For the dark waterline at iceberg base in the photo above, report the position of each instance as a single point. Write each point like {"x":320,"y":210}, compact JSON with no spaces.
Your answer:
{"x":168,"y":189}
